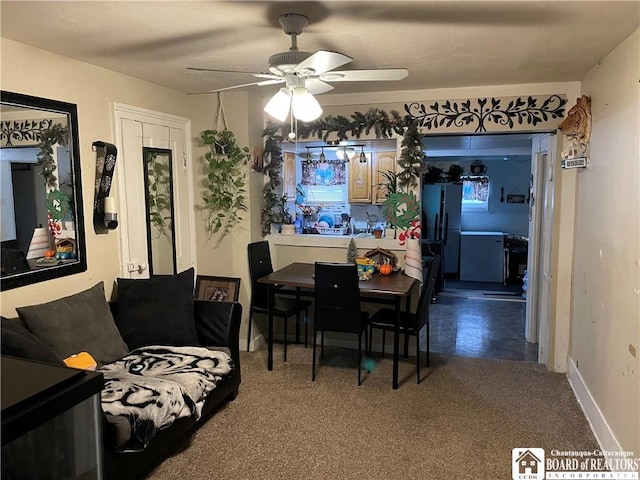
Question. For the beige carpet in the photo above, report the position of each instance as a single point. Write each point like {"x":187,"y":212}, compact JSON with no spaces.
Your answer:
{"x":461,"y":422}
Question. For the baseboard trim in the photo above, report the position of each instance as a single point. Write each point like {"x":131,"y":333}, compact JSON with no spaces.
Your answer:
{"x":598,"y":423}
{"x":255,"y":344}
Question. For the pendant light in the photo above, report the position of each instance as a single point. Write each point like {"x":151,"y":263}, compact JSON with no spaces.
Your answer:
{"x":363,"y":157}
{"x":322,"y":157}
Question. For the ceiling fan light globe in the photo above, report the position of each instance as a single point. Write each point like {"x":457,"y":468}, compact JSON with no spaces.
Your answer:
{"x":278,"y":106}
{"x":305,"y":106}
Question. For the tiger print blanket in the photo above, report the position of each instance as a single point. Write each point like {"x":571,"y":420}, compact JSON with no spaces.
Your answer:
{"x":154,"y":386}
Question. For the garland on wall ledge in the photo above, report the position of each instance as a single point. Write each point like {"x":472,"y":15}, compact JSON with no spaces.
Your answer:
{"x":383,"y":125}
{"x":461,"y":114}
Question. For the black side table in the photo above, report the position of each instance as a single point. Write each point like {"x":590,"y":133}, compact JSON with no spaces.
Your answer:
{"x":51,"y":421}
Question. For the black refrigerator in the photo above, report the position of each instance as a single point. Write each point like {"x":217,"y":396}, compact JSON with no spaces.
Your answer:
{"x":442,"y":213}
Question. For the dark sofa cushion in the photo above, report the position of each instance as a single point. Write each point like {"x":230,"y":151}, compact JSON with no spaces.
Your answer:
{"x":79,"y":322}
{"x":157,"y":311}
{"x":19,"y":342}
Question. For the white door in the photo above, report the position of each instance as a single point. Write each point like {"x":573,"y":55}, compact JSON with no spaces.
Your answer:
{"x":137,"y":128}
{"x":540,"y":242}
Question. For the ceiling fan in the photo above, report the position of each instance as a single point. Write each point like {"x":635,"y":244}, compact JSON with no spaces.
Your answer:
{"x":305,"y":74}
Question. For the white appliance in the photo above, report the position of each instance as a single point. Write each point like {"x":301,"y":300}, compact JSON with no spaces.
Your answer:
{"x":482,"y":256}
{"x":442,"y":210}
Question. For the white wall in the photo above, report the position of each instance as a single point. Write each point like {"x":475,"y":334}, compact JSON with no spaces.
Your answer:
{"x":605,"y":335}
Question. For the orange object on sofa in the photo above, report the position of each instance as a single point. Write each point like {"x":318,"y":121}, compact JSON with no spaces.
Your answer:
{"x":82,"y":361}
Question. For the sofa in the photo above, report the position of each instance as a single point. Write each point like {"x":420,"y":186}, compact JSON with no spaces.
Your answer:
{"x":155,"y":330}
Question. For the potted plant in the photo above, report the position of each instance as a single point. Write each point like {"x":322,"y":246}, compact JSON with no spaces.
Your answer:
{"x":224,"y":198}
{"x":283,"y":217}
{"x":391,"y":185}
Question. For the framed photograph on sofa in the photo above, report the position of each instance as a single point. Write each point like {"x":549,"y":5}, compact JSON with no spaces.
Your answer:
{"x":217,"y":289}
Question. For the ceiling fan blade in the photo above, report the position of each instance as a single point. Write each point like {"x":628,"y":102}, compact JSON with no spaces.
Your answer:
{"x":316,"y":87}
{"x":322,"y":61}
{"x":365,"y":75}
{"x":268,"y":75}
{"x":259,"y":84}
{"x":222,"y":71}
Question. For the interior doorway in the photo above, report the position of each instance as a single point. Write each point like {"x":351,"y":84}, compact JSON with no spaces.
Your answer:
{"x":154,"y":240}
{"x":498,"y":227}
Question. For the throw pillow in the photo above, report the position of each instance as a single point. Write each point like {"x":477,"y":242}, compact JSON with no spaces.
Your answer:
{"x":80,"y":322}
{"x":20,"y":342}
{"x":157,"y":311}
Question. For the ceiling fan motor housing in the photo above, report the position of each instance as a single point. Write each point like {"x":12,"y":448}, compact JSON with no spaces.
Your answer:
{"x":284,"y":62}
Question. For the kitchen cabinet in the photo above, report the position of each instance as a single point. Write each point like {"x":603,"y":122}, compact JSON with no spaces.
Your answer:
{"x":383,"y":162}
{"x":289,"y":175}
{"x":360,"y":180}
{"x":365,"y":176}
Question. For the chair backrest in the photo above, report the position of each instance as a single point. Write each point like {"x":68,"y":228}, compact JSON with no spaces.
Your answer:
{"x":428,"y":287}
{"x":337,"y":297}
{"x":259,"y":266}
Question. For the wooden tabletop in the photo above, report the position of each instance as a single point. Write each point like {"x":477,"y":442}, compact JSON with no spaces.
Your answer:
{"x":301,"y":275}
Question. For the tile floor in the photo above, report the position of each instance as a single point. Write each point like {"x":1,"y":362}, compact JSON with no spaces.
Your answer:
{"x":473,"y":324}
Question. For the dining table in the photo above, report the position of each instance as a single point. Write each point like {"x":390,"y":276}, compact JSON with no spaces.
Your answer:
{"x":386,"y":289}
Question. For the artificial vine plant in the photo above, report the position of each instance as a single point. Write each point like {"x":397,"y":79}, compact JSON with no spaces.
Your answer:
{"x":159,"y":195}
{"x":383,"y":124}
{"x":271,"y":211}
{"x":57,"y":203}
{"x":56,"y":134}
{"x":224,"y":197}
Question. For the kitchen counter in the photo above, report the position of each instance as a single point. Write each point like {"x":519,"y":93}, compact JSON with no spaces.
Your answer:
{"x":287,"y":249}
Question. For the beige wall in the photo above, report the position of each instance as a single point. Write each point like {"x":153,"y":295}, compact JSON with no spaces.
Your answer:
{"x":40,"y":73}
{"x":243,"y":113}
{"x":605,"y":336}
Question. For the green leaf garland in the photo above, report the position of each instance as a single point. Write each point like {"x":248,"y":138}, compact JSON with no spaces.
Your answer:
{"x":383,"y":125}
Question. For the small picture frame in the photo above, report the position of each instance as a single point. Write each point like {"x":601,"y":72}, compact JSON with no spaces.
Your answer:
{"x":515,"y":198}
{"x":217,"y":289}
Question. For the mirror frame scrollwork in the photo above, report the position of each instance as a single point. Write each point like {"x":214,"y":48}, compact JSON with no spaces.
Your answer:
{"x":33,"y":138}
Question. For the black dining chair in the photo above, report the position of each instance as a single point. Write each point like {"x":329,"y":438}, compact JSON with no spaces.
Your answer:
{"x":410,"y":323}
{"x":259,"y":266}
{"x":337,"y":307}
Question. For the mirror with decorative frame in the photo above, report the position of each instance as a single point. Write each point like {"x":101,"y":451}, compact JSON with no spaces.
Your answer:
{"x":42,"y":227}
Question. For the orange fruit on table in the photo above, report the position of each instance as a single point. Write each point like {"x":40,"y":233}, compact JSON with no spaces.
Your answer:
{"x":386,"y":269}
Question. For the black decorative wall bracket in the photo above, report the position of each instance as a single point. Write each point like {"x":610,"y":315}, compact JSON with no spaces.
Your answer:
{"x":105,"y":213}
{"x":482,"y":111}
